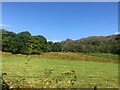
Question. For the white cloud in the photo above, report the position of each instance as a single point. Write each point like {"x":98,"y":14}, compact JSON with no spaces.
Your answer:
{"x":117,"y":33}
{"x":54,"y":40}
{"x":4,"y":25}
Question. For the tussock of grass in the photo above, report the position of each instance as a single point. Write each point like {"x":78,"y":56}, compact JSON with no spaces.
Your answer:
{"x":80,"y":57}
{"x":95,"y":57}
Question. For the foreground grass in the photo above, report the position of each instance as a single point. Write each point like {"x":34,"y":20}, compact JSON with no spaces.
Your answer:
{"x":89,"y":74}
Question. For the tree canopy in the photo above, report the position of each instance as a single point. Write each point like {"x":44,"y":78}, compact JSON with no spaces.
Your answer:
{"x":23,"y":41}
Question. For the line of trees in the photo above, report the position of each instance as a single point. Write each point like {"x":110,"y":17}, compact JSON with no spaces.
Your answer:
{"x":23,"y":41}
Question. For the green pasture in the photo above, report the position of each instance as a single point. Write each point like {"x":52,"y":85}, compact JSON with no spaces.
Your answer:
{"x":88,"y":73}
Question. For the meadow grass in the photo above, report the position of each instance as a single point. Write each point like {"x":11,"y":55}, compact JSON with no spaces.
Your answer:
{"x":89,"y":73}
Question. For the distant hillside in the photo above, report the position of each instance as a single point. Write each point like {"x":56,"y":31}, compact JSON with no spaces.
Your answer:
{"x":23,"y":42}
{"x":104,"y":44}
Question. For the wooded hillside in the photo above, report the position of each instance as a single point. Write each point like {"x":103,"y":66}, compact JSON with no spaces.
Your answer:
{"x":22,"y":43}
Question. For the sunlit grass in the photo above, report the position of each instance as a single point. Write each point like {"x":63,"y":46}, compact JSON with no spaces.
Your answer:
{"x":89,"y":74}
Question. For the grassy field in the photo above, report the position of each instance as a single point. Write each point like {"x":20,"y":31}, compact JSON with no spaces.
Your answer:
{"x":43,"y":70}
